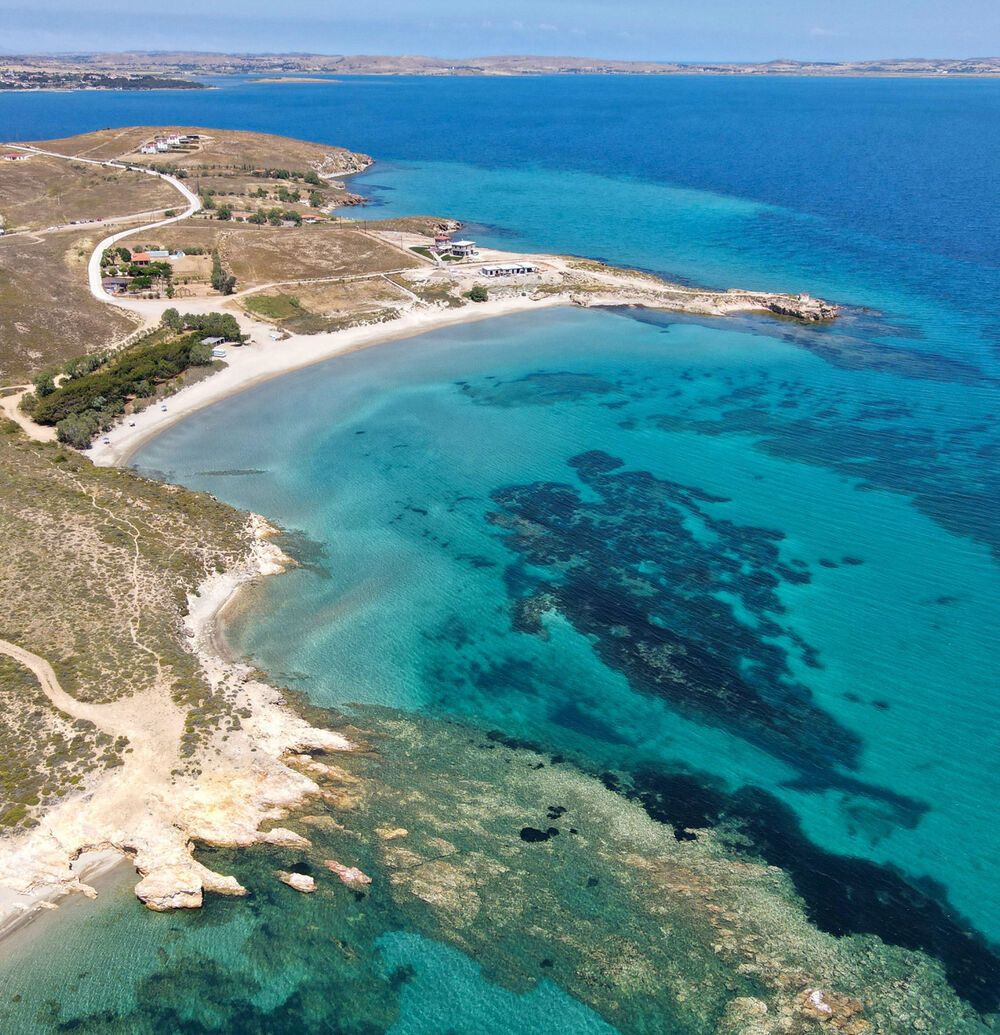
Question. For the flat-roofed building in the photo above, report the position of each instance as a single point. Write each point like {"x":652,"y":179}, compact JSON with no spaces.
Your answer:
{"x":509,"y":269}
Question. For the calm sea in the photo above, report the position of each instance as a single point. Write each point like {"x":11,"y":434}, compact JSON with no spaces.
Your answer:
{"x":741,"y":573}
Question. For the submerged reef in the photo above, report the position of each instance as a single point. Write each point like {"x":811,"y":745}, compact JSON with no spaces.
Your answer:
{"x":692,"y":935}
{"x":654,"y":932}
{"x":682,"y":602}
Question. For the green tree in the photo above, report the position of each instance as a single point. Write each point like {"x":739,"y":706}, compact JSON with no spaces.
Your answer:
{"x":171,"y":319}
{"x":224,"y":212}
{"x":126,"y":255}
{"x":478,"y":294}
{"x":44,"y":385}
{"x":207,"y":202}
{"x":312,"y":177}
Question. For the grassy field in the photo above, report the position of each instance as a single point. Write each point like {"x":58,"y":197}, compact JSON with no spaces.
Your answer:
{"x":92,"y":556}
{"x":43,"y":191}
{"x":315,"y":308}
{"x":219,"y":149}
{"x":47,"y":313}
{"x":260,"y":255}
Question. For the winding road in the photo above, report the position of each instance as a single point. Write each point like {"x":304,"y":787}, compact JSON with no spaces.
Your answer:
{"x":94,"y":265}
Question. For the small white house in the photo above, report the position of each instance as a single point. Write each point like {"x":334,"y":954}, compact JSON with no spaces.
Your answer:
{"x":212,"y":341}
{"x":463,"y":249}
{"x":218,"y":353}
{"x":148,"y":149}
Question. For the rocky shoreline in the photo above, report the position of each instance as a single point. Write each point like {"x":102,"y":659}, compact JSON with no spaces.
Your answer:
{"x":241,"y":782}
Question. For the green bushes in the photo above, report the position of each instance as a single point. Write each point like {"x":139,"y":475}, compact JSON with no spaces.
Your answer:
{"x":84,"y":405}
{"x":222,"y":280}
{"x":214,"y":325}
{"x":478,"y":294}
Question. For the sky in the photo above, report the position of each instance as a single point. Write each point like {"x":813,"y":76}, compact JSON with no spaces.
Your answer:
{"x":668,"y":30}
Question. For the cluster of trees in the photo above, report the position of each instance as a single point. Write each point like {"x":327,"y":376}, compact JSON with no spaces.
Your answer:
{"x":275,"y":216}
{"x":115,"y":256}
{"x":209,"y":325}
{"x":478,"y":294}
{"x":170,"y":169}
{"x":222,"y":280}
{"x":88,"y":403}
{"x":311,"y":177}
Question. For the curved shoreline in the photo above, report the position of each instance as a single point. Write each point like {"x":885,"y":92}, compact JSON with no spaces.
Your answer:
{"x":253,"y":365}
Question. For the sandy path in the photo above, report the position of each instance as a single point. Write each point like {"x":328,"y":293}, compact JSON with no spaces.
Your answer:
{"x":130,"y":717}
{"x":10,"y":407}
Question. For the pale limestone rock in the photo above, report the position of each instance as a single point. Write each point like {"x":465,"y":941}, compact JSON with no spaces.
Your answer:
{"x":299,"y":881}
{"x":350,"y":875}
{"x":170,"y":887}
{"x":283,"y":838}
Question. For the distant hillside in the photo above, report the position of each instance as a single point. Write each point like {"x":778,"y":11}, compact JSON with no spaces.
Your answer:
{"x":139,"y":63}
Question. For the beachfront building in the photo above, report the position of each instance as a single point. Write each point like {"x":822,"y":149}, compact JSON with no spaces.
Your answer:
{"x":463,"y":249}
{"x":509,"y":269}
{"x":442,"y":244}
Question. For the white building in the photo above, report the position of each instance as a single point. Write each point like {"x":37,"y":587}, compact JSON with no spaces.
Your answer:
{"x":463,"y":249}
{"x":148,"y":149}
{"x":509,"y":269}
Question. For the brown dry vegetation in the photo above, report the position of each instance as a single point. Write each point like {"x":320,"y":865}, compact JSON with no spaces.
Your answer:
{"x":220,"y":150}
{"x":260,"y":255}
{"x":94,"y":577}
{"x":316,"y":308}
{"x":44,"y":754}
{"x":47,"y":313}
{"x":45,"y":191}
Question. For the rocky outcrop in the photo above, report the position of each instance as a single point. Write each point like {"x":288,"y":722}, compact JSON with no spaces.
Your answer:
{"x":801,"y":307}
{"x":349,"y":875}
{"x":343,"y":163}
{"x":283,"y":838}
{"x":170,"y":887}
{"x":299,"y":881}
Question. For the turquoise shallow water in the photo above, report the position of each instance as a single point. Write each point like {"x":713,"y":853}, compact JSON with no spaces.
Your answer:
{"x":743,"y":573}
{"x":399,"y":452}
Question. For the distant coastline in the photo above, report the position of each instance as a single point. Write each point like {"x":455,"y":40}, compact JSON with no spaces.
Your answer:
{"x":306,"y":67}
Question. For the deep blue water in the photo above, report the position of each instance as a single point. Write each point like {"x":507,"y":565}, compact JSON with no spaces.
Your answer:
{"x":746,"y":570}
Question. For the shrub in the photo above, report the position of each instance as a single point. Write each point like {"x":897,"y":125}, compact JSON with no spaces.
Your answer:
{"x":478,"y":294}
{"x":44,"y":385}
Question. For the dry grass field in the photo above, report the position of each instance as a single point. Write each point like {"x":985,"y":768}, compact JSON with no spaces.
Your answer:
{"x":260,"y":255}
{"x":47,"y":313}
{"x":43,"y":191}
{"x":94,"y":574}
{"x":315,"y":308}
{"x":218,"y":151}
